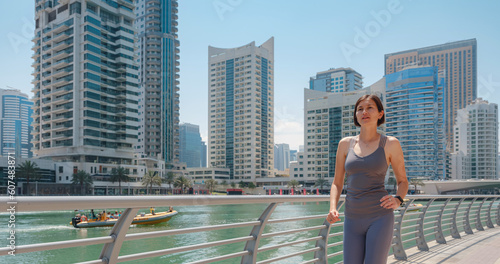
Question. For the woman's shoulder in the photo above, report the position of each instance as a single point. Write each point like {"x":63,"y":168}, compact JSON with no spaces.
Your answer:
{"x":392,"y":142}
{"x":347,"y":140}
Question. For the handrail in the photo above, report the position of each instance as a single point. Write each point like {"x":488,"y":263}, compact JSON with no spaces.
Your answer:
{"x":437,"y":217}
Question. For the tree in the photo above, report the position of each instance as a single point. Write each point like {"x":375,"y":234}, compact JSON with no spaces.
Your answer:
{"x":28,"y":169}
{"x":83,"y":178}
{"x":224,"y":182}
{"x":293,"y":184}
{"x":242,"y":184}
{"x":151,"y":178}
{"x":210,"y":184}
{"x":183,"y":183}
{"x":321,"y":182}
{"x":416,"y":182}
{"x":392,"y":181}
{"x":119,"y":175}
{"x":233,"y":185}
{"x":251,"y":185}
{"x":170,"y":179}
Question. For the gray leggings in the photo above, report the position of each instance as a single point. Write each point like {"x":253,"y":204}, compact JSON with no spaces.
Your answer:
{"x":368,"y":239}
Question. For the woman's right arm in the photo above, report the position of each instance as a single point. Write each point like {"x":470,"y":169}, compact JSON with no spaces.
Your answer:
{"x":338,"y":180}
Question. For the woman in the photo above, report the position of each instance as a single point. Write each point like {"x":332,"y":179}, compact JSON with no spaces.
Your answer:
{"x":369,"y":217}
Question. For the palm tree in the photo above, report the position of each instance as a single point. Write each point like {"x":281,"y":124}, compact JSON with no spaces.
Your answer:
{"x":170,"y":179}
{"x":321,"y":182}
{"x":119,"y":175}
{"x":151,"y":178}
{"x":83,"y":178}
{"x":182,"y":182}
{"x":210,"y":184}
{"x":293,"y":184}
{"x":28,"y":169}
{"x":416,"y":182}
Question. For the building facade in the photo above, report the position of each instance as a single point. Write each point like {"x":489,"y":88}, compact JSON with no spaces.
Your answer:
{"x":158,"y":61}
{"x":85,"y":83}
{"x":241,"y":110}
{"x":203,"y":154}
{"x":190,"y":145}
{"x":458,"y":61}
{"x":415,"y":115}
{"x":476,"y":142}
{"x":15,"y":124}
{"x":336,"y":81}
{"x":328,"y":117}
{"x":281,"y":156}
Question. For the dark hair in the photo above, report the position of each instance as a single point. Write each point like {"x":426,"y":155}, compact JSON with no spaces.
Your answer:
{"x":377,"y":101}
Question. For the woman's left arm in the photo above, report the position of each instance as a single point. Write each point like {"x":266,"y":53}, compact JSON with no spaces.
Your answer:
{"x":398,"y":166}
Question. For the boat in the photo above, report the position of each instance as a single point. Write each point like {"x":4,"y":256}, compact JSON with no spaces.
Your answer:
{"x":140,"y":219}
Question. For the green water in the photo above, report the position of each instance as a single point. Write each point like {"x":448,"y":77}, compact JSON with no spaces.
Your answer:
{"x":41,"y":227}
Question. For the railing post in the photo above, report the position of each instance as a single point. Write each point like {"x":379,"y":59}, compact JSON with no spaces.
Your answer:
{"x":110,"y":251}
{"x":479,"y":225}
{"x":421,"y":243}
{"x":467,"y":228}
{"x":489,"y":223}
{"x":439,"y":232}
{"x":323,"y":243}
{"x":397,"y":243}
{"x":454,"y":228}
{"x":253,"y":245}
{"x":498,"y":214}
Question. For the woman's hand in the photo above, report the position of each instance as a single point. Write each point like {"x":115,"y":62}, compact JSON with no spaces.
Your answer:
{"x":333,"y":216}
{"x":390,"y":202}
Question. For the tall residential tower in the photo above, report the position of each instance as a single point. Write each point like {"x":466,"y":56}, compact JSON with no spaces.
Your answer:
{"x":158,"y":59}
{"x":85,"y":83}
{"x":458,"y":61}
{"x":240,"y":110}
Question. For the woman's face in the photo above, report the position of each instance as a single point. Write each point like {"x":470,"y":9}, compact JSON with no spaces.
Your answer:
{"x":367,"y":112}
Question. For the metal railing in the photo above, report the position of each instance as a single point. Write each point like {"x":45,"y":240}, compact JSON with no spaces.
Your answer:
{"x":422,"y":219}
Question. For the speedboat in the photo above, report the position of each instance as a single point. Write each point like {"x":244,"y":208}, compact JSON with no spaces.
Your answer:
{"x":140,"y":219}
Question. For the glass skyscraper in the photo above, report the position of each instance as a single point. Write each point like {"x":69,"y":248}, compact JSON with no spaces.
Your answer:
{"x":241,"y":110}
{"x":190,"y":145}
{"x":415,"y":115}
{"x":458,"y":63}
{"x":158,"y":59}
{"x":15,"y":123}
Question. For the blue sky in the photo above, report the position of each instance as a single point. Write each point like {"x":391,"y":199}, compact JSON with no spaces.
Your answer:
{"x":308,"y":38}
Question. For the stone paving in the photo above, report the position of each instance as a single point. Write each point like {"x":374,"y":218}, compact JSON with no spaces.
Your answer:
{"x":482,"y":247}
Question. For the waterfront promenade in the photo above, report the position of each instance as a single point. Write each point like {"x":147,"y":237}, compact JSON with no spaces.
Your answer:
{"x":482,"y":247}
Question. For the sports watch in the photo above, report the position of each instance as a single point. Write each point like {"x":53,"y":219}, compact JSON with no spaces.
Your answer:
{"x":400,"y":199}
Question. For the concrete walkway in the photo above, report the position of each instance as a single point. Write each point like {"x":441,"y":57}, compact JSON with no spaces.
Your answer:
{"x":482,"y":247}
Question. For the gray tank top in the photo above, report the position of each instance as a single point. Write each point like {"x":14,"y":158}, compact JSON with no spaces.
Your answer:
{"x":365,"y":182}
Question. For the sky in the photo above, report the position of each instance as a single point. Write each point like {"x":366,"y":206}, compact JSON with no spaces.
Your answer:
{"x":309,"y":37}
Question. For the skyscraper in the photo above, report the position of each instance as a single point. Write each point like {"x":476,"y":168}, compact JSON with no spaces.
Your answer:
{"x":476,"y":141}
{"x":415,"y":116}
{"x":85,"y":82}
{"x":281,"y":156}
{"x":458,"y":61}
{"x":336,"y":81}
{"x":203,"y":154}
{"x":158,"y":59}
{"x":15,"y":123}
{"x":240,"y":110}
{"x":190,"y":145}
